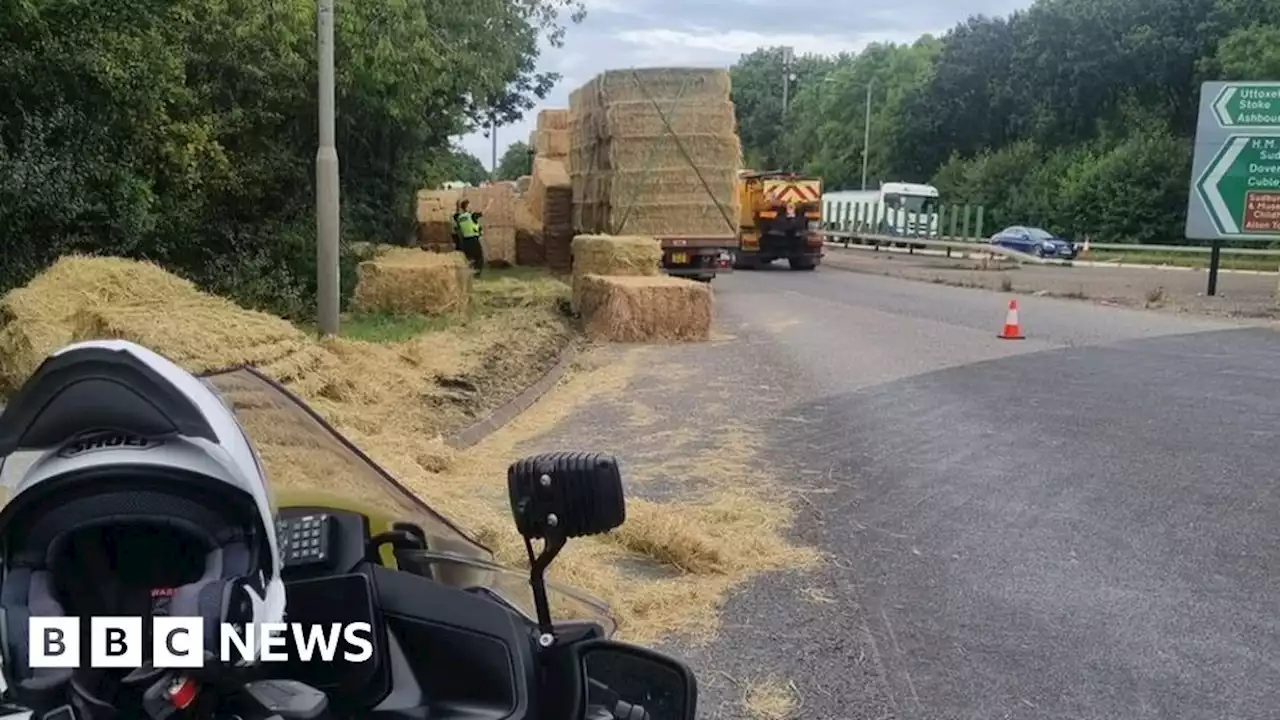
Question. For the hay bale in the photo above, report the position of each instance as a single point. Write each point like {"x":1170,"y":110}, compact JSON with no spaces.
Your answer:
{"x":644,"y":309}
{"x":499,"y":246}
{"x":411,"y":281}
{"x":616,"y":255}
{"x":551,"y":143}
{"x":495,"y":202}
{"x":641,"y":118}
{"x":688,"y":218}
{"x":557,"y":228}
{"x":531,"y":251}
{"x":662,"y":186}
{"x":547,"y":174}
{"x":437,"y":205}
{"x":643,"y":84}
{"x":707,"y":150}
{"x":553,"y":119}
{"x":435,"y":233}
{"x":631,"y":174}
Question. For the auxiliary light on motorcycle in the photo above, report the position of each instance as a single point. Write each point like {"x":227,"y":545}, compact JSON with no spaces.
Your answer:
{"x":557,"y":496}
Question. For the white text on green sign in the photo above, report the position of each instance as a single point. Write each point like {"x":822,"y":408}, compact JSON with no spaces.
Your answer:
{"x":1241,"y":186}
{"x":1248,"y":106}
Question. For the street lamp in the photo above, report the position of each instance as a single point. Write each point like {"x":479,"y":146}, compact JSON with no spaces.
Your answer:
{"x":788,"y":77}
{"x":866,"y":135}
{"x":327,"y":190}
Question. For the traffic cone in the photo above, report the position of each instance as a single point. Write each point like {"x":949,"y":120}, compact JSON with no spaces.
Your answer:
{"x":1012,"y":330}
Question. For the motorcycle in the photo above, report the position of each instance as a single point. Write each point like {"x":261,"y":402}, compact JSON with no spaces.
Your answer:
{"x":455,"y":634}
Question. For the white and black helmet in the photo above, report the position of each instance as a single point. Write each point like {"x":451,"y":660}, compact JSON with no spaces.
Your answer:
{"x":127,"y":488}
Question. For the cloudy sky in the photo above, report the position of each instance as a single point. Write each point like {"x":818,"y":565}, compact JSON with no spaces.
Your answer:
{"x":713,"y":33}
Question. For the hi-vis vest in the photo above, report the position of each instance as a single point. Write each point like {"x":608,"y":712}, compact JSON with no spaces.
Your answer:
{"x":467,"y":225}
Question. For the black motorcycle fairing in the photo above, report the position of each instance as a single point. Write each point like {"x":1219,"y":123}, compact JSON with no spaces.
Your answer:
{"x":470,"y":657}
{"x":340,"y":599}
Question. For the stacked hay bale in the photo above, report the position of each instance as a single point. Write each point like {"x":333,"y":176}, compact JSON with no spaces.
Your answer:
{"x":548,"y":185}
{"x":655,"y":152}
{"x":408,"y":281}
{"x":550,"y":138}
{"x":497,"y":204}
{"x":622,"y":296}
{"x":435,"y":219}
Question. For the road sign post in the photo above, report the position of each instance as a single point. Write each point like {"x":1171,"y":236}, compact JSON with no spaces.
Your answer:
{"x":1235,"y":175}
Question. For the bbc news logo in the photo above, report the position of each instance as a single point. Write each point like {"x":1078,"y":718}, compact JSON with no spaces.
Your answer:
{"x":179,"y":642}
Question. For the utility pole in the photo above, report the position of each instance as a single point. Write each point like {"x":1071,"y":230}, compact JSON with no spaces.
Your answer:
{"x":493,"y":136}
{"x":327,"y":188}
{"x":787,"y":78}
{"x":866,"y":136}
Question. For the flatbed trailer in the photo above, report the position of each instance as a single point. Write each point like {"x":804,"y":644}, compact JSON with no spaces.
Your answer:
{"x":698,"y":257}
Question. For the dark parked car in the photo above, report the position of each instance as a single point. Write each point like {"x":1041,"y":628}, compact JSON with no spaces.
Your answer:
{"x":1034,"y":241}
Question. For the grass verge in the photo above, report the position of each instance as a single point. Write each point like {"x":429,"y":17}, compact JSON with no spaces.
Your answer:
{"x":1188,"y":260}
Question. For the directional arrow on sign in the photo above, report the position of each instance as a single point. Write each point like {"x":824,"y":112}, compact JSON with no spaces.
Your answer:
{"x":1240,"y":187}
{"x":1248,"y":105}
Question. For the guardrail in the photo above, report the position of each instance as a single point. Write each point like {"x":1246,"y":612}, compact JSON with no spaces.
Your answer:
{"x":982,"y":245}
{"x":1189,"y":249}
{"x":964,"y":245}
{"x":964,"y":224}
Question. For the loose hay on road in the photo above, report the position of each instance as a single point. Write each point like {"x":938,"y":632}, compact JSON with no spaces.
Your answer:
{"x":670,"y":567}
{"x":407,"y":280}
{"x":644,"y":309}
{"x":80,"y":297}
{"x":396,"y":399}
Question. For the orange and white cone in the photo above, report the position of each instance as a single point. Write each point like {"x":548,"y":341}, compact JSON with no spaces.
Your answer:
{"x":1012,"y":330}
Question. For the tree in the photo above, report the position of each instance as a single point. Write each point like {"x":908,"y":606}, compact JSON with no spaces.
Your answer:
{"x":516,"y":161}
{"x":1074,"y":114}
{"x":184,"y":131}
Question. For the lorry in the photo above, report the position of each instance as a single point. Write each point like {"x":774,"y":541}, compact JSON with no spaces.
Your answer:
{"x":697,"y":257}
{"x":780,"y":216}
{"x":897,"y":209}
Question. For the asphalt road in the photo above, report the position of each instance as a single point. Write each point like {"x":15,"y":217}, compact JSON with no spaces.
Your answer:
{"x":1078,"y":525}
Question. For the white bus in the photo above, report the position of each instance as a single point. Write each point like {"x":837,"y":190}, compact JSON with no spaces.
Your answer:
{"x":902,"y":209}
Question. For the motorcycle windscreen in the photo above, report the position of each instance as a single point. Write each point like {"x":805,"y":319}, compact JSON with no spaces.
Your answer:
{"x":511,"y":587}
{"x":308,"y":463}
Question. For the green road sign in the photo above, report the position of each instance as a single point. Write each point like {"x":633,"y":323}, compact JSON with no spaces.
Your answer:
{"x":1240,"y":187}
{"x":1248,"y":106}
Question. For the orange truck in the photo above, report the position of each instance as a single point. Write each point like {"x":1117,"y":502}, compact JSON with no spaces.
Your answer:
{"x":780,"y":217}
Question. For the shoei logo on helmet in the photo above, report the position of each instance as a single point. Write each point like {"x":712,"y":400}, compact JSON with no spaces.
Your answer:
{"x":179,"y":642}
{"x":110,"y":440}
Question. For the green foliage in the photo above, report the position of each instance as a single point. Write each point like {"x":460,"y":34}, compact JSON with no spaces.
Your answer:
{"x":516,"y":161}
{"x":185,"y":131}
{"x":1076,"y":115}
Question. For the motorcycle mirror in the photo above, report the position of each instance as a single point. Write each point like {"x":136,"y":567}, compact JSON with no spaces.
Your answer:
{"x":566,"y":495}
{"x":627,"y":682}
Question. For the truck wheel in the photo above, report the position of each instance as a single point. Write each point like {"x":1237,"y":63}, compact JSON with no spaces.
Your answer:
{"x":801,"y":263}
{"x":744,"y":263}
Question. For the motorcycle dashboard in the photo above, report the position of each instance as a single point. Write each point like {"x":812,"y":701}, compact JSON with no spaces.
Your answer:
{"x":439,"y":649}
